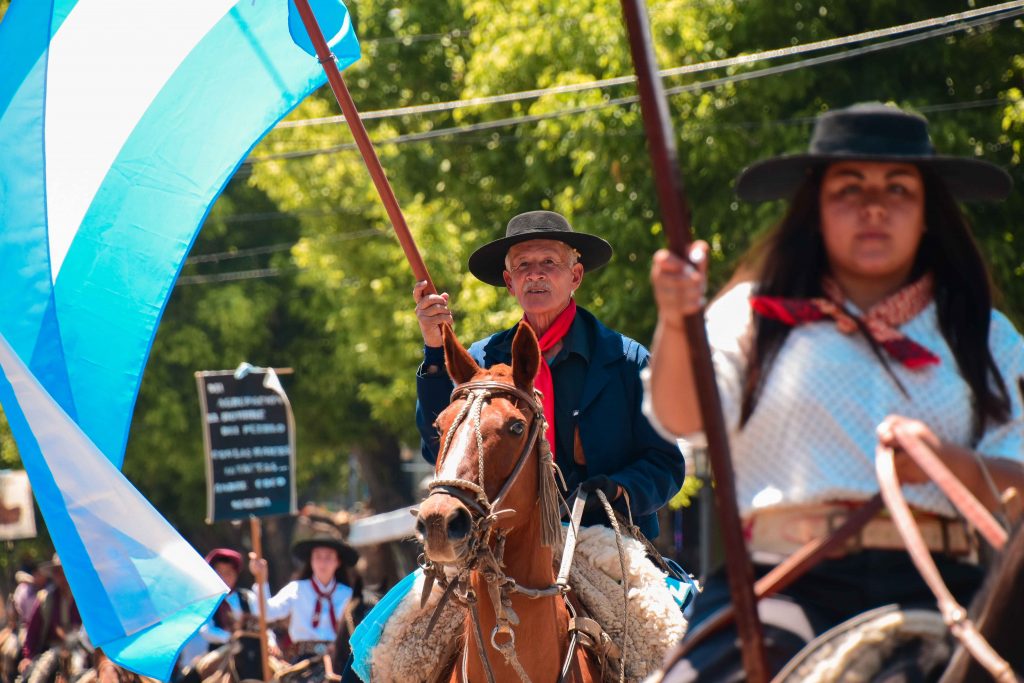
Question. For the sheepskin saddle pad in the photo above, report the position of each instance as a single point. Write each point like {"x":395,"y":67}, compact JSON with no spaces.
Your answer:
{"x":653,"y":620}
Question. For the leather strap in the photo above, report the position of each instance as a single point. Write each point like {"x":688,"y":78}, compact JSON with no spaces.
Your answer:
{"x":783,"y":575}
{"x":571,"y":534}
{"x":952,"y":612}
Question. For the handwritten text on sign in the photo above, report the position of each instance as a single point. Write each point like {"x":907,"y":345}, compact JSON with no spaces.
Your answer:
{"x":250,"y":445}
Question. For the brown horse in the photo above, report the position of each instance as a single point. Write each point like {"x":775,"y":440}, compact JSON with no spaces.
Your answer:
{"x":490,"y":519}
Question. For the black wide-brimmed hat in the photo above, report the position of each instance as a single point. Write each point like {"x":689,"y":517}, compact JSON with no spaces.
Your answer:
{"x":488,"y":262}
{"x":323,"y":535}
{"x":872,"y":131}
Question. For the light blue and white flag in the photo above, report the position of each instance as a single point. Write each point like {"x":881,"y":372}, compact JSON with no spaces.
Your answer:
{"x":120,"y":123}
{"x":141,"y":589}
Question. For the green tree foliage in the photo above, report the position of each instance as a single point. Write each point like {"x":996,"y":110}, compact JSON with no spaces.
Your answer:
{"x":339,"y":310}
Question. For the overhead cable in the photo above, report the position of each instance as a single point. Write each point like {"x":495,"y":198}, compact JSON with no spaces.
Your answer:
{"x":691,"y":87}
{"x":990,"y":13}
{"x":281,"y":246}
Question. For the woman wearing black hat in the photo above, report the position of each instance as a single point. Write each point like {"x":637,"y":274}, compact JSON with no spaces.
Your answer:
{"x":314,"y":602}
{"x":866,"y":312}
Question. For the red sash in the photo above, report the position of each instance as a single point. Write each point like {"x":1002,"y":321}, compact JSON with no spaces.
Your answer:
{"x":544,"y":381}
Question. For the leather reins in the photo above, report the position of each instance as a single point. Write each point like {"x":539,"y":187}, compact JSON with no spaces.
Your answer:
{"x":953,"y":614}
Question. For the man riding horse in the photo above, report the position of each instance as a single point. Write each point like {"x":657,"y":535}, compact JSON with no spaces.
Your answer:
{"x":590,"y":377}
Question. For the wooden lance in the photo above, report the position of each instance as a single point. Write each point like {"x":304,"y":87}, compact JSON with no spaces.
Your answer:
{"x":676,"y":218}
{"x":355,"y":124}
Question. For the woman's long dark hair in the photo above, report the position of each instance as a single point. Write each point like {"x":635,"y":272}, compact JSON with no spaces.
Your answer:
{"x":790,"y":261}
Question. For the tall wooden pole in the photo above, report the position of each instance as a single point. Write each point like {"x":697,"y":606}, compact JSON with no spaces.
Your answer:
{"x":256,"y":532}
{"x":355,"y":124}
{"x":676,"y":219}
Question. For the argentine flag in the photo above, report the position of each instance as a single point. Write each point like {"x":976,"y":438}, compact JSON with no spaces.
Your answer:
{"x":120,"y":123}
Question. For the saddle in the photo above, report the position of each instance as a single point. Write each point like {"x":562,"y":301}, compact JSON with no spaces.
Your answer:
{"x":403,"y":653}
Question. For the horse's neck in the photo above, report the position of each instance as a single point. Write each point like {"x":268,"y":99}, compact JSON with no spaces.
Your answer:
{"x":526,"y":560}
{"x":541,"y":620}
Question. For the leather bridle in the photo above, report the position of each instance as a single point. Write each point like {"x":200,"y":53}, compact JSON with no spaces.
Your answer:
{"x":479,"y":555}
{"x":472,"y":493}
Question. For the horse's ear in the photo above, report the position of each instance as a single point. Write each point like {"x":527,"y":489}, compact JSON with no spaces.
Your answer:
{"x":525,"y":357}
{"x":461,"y":366}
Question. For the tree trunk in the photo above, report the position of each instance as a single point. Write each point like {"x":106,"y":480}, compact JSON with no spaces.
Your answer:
{"x":380,"y":465}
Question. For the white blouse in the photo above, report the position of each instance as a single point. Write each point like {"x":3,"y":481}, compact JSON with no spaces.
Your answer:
{"x":297,"y":600}
{"x":812,"y":438}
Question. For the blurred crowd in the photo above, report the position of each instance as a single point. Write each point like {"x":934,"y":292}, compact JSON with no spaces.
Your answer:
{"x":308,"y":621}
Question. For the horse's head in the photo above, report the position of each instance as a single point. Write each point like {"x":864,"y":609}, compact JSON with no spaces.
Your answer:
{"x":493,"y":467}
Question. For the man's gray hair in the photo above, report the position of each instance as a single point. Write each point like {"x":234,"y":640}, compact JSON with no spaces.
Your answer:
{"x":570,"y":253}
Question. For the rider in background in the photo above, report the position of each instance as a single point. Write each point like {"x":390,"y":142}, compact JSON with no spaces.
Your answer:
{"x":591,"y":380}
{"x":314,"y":603}
{"x":865,"y":313}
{"x":54,"y":618}
{"x":30,"y":579}
{"x":237,"y":613}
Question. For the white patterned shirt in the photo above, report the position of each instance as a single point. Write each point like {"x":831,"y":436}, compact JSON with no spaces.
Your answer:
{"x":297,"y":600}
{"x":812,"y":437}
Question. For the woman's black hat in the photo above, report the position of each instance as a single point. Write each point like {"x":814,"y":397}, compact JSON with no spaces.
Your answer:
{"x":872,"y":131}
{"x":318,"y":534}
{"x":488,"y":262}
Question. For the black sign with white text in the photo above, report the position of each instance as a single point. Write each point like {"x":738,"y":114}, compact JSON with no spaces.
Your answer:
{"x":250,"y":445}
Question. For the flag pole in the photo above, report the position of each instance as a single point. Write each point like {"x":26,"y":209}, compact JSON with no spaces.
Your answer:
{"x":256,"y":533}
{"x":355,"y":124}
{"x":675,"y":211}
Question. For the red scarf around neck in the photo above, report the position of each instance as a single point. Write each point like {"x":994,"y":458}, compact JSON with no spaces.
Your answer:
{"x":544,"y":382}
{"x":880,"y":321}
{"x":323,"y":596}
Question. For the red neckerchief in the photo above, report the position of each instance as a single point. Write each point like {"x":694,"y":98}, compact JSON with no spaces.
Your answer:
{"x":880,"y":321}
{"x":321,"y":597}
{"x":544,"y":382}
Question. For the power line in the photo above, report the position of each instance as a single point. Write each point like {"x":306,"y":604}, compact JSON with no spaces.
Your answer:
{"x":985,"y":13}
{"x":839,"y":56}
{"x":417,"y":38}
{"x":692,"y":87}
{"x":252,"y":274}
{"x":258,"y":273}
{"x":282,"y":246}
{"x":703,"y":125}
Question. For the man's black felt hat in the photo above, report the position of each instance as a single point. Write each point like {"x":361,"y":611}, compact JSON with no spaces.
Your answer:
{"x":872,"y":131}
{"x":488,"y":262}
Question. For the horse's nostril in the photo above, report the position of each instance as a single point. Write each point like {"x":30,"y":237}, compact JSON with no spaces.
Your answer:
{"x":458,"y":524}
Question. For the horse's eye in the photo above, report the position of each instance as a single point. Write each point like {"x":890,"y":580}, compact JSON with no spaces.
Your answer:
{"x":517,"y":427}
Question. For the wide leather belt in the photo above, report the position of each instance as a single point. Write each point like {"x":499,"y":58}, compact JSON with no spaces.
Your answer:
{"x":776,"y":533}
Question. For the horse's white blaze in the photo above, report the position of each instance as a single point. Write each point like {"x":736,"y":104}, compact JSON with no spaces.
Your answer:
{"x":456,"y":452}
